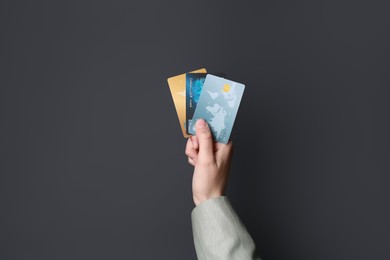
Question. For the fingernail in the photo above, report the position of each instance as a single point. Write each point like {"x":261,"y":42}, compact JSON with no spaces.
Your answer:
{"x":201,"y":123}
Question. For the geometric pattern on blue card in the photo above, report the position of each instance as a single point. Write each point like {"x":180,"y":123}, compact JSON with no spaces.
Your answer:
{"x":218,"y":105}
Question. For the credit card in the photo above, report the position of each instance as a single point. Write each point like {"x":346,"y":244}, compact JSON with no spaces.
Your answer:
{"x":194,"y":85}
{"x":177,"y":86}
{"x":218,"y":106}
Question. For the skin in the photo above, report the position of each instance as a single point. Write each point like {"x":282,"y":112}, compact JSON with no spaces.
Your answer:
{"x":211,"y":161}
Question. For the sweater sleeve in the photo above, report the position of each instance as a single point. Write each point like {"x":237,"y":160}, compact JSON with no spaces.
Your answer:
{"x":219,"y":233}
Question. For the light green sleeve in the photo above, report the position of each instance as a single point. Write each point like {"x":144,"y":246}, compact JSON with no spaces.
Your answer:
{"x":219,"y":233}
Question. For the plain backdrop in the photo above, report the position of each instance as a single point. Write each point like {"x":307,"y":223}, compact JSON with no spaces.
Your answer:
{"x":92,"y":162}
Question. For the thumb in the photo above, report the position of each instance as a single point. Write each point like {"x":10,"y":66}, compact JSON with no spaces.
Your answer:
{"x":205,"y":139}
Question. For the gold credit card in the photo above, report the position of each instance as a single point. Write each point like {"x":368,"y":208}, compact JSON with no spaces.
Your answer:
{"x":177,"y":85}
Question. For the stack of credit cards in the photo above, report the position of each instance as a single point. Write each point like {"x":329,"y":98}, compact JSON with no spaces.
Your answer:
{"x":197,"y":94}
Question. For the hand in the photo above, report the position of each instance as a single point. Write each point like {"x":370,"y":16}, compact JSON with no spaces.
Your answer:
{"x":211,"y":161}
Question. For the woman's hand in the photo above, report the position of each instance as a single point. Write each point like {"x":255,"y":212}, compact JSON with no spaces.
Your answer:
{"x":211,"y":161}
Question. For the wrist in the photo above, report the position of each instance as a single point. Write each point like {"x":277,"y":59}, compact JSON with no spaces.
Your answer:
{"x":199,"y":199}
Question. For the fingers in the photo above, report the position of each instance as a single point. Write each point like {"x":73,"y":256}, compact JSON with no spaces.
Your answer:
{"x":191,"y":152}
{"x":224,"y":151}
{"x":195,"y":142}
{"x":205,"y":140}
{"x":220,"y":146}
{"x":191,"y":161}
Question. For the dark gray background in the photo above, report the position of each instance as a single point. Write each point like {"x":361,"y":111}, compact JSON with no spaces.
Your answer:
{"x":92,"y":157}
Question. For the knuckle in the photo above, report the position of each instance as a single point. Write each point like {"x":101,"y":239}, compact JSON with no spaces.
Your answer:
{"x":190,"y":161}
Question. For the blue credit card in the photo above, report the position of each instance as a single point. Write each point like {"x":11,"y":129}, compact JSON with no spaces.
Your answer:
{"x":218,"y":105}
{"x":194,"y":85}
